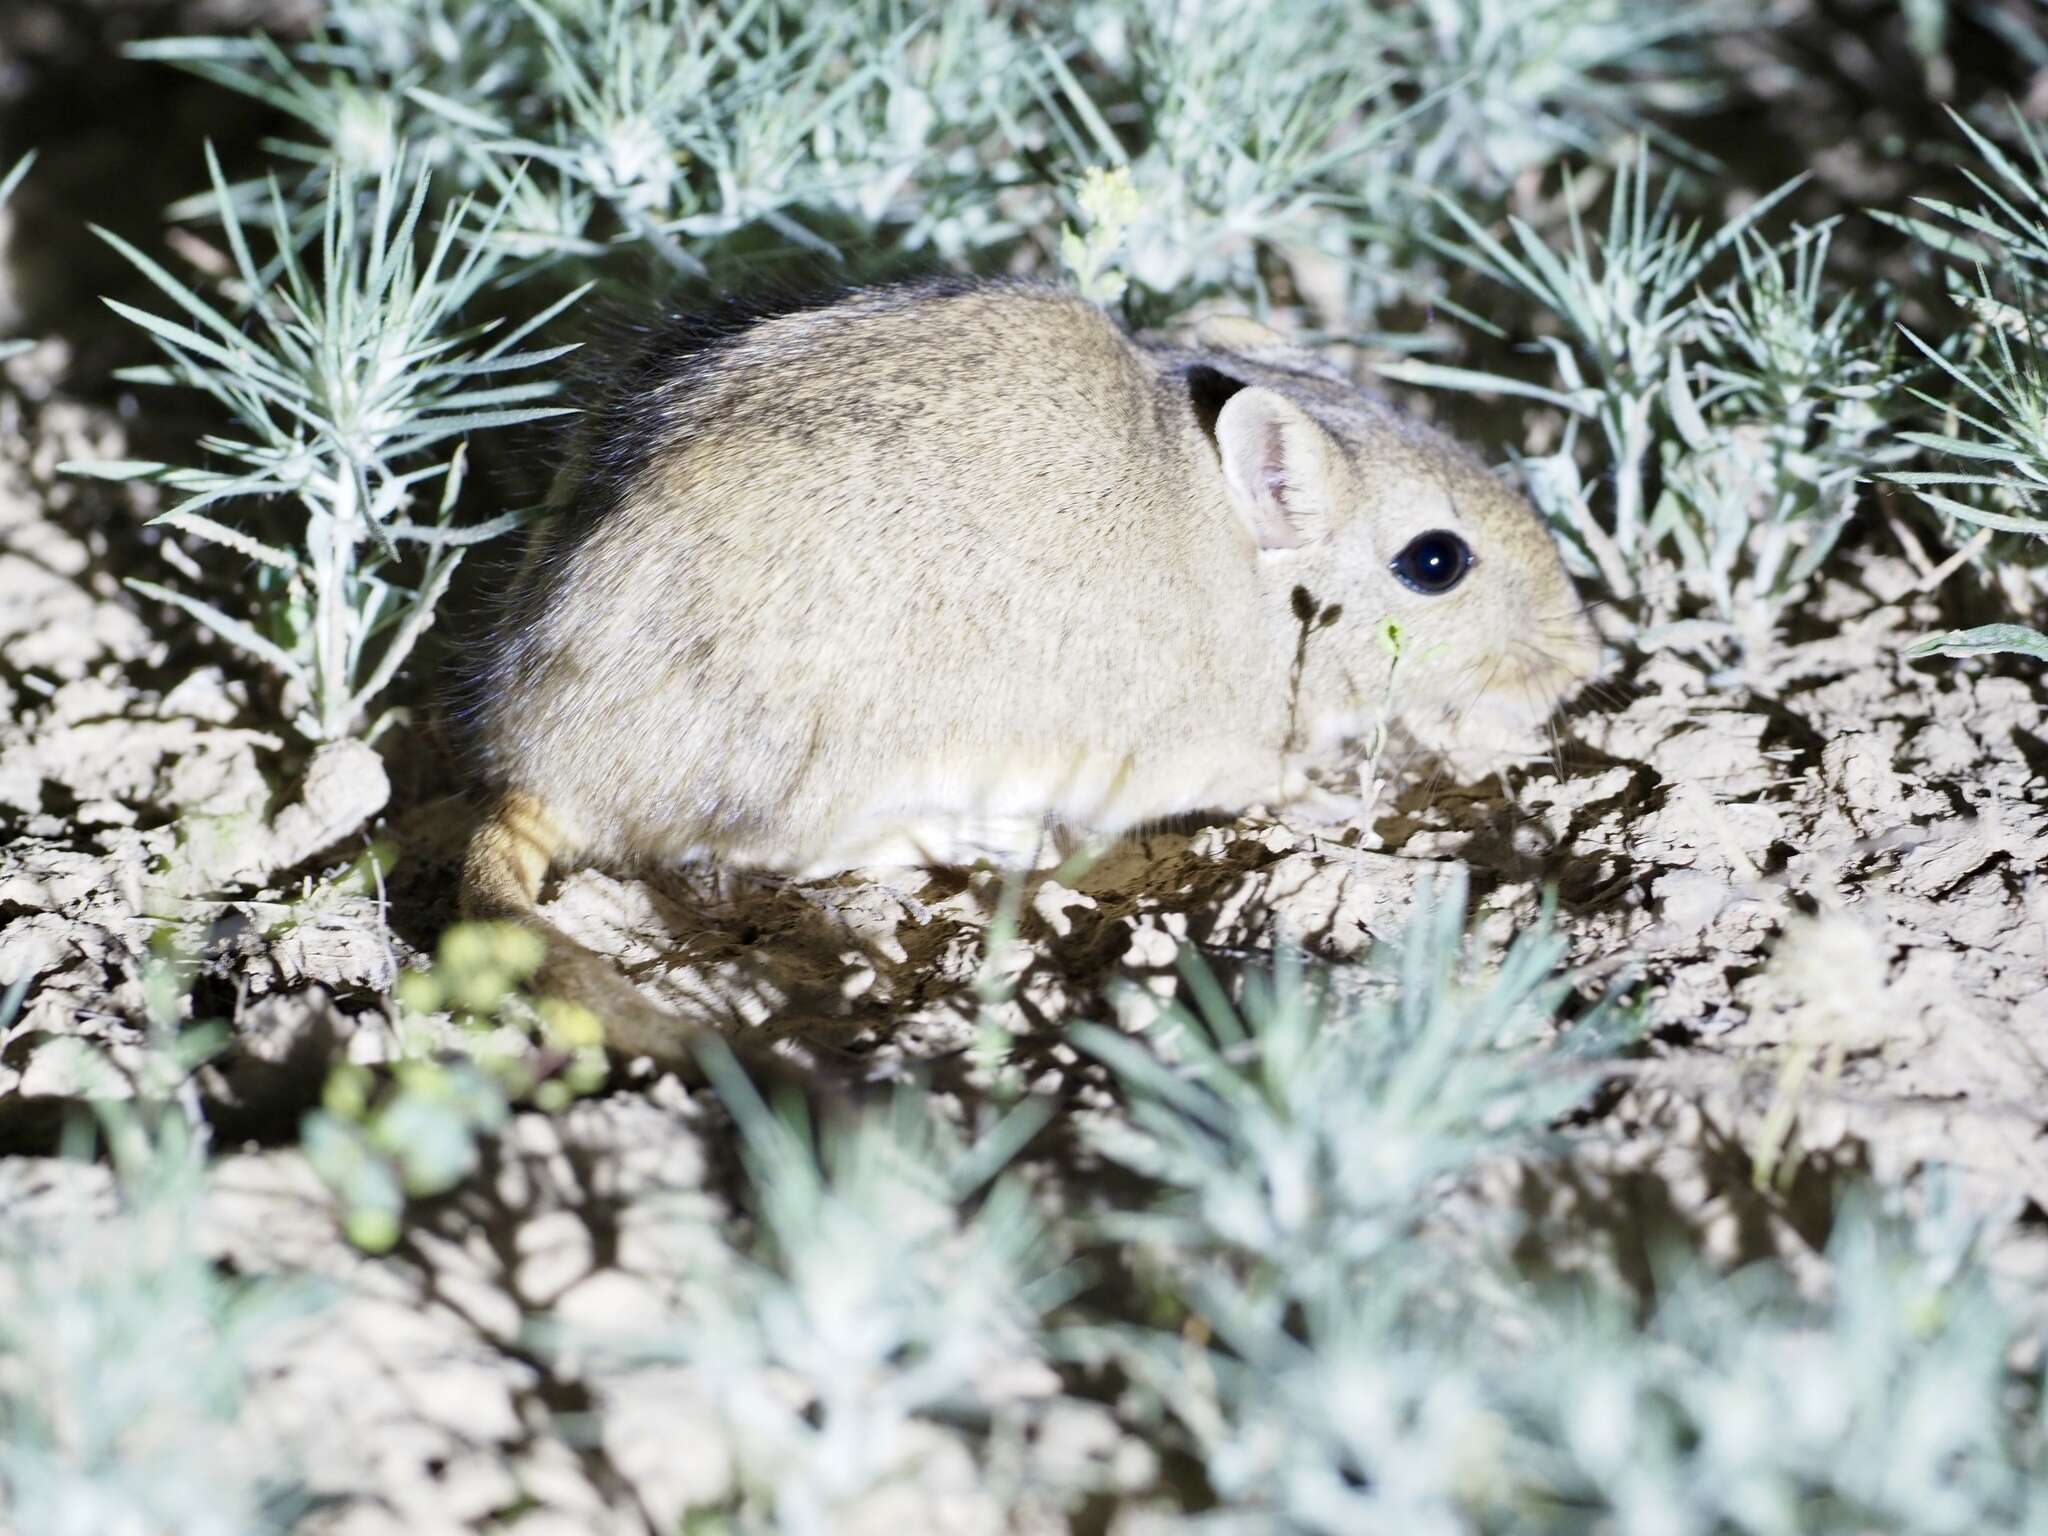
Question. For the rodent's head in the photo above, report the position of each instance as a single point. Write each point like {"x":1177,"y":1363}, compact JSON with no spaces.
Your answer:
{"x":1358,"y":509}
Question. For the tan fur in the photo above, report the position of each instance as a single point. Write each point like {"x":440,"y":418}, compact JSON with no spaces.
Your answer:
{"x":913,"y":577}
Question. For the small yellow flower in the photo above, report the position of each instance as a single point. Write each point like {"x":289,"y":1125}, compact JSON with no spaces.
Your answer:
{"x":480,"y":991}
{"x":1108,"y":200}
{"x":466,"y":946}
{"x":347,"y":1093}
{"x":419,"y":992}
{"x":519,"y":949}
{"x":571,"y":1025}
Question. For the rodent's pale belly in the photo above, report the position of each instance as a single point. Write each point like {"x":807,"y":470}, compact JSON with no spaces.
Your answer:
{"x":1024,"y":812}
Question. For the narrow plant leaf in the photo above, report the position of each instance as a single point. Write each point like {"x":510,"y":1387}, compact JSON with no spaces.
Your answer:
{"x":230,"y":629}
{"x":229,"y":538}
{"x":13,"y":178}
{"x":1441,"y":376}
{"x":1985,"y":640}
{"x":2002,"y":521}
{"x":110,"y":469}
{"x":477,"y":533}
{"x":456,"y":112}
{"x":171,"y":288}
{"x":417,"y":618}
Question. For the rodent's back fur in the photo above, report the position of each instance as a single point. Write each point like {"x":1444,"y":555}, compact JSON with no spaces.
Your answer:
{"x":908,"y":576}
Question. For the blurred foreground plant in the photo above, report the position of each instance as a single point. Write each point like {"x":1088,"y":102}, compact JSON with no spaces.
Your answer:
{"x":126,"y":1353}
{"x":1451,"y":1397}
{"x":471,"y":1043}
{"x":896,"y":1274}
{"x":1354,"y":1349}
{"x":1302,"y":1130}
{"x":344,"y":377}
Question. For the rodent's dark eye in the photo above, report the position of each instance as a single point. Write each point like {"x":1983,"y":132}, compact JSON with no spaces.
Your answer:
{"x":1433,"y":563}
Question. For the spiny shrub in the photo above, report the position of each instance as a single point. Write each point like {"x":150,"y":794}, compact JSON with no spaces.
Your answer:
{"x":1351,"y":1343}
{"x":1733,"y":419}
{"x":349,"y":380}
{"x":894,"y":1275}
{"x":126,"y":1356}
{"x":1988,"y":378}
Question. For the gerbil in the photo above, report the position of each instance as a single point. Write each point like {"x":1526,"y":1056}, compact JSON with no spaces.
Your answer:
{"x":914,"y":576}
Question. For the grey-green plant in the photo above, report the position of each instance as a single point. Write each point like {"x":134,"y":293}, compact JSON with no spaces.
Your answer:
{"x":1301,"y":1128}
{"x":895,"y":1274}
{"x":1226,"y":167}
{"x":1458,"y":1398}
{"x":664,"y":128}
{"x":1357,"y":1344}
{"x":1262,"y":137}
{"x":1623,"y":303}
{"x":1517,"y":83}
{"x":127,"y":1353}
{"x":1889,"y":1402}
{"x":1988,"y":379}
{"x":349,"y":379}
{"x":358,"y":93}
{"x":626,"y":77}
{"x":1302,"y":138}
{"x":356,"y":128}
{"x":1776,"y":420}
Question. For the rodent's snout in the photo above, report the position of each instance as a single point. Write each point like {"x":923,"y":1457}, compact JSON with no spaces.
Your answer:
{"x":1554,"y":651}
{"x":1501,"y":703}
{"x":1556,"y":661}
{"x":1505,"y":669}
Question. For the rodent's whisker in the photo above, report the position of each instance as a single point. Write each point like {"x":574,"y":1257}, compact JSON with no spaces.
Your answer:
{"x":1610,"y":692}
{"x":1485,"y":686}
{"x":1577,"y":610}
{"x":1548,"y":717}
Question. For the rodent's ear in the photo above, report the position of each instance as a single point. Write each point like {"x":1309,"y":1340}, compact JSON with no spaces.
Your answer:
{"x":1276,"y":462}
{"x":1236,"y":333}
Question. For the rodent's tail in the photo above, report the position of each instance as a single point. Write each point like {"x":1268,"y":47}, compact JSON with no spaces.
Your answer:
{"x":509,"y":856}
